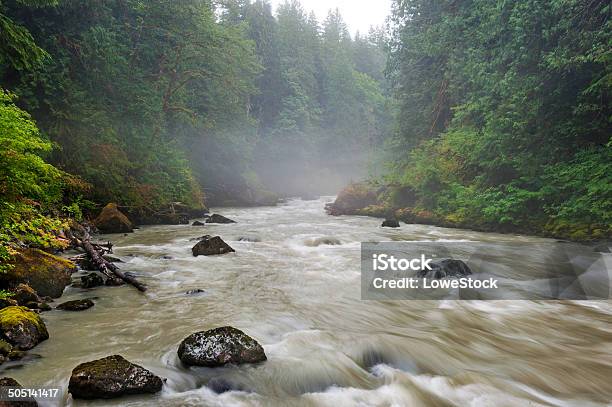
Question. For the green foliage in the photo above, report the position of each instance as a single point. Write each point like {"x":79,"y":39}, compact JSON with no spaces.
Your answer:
{"x":504,"y":109}
{"x":28,"y":185}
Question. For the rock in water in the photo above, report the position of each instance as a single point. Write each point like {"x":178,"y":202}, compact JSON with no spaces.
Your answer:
{"x":112,"y":220}
{"x":215,"y":218}
{"x":44,"y":272}
{"x":91,"y":280}
{"x":22,"y":328}
{"x":220,"y":346}
{"x":211,"y":246}
{"x":390,"y":223}
{"x":10,"y":382}
{"x":111,"y":377}
{"x":198,"y":223}
{"x":76,"y":305}
{"x":446,"y":268}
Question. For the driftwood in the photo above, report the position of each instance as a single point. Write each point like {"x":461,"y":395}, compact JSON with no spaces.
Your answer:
{"x":107,"y":268}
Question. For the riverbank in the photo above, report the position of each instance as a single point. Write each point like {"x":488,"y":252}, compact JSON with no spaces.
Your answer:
{"x":364,"y":199}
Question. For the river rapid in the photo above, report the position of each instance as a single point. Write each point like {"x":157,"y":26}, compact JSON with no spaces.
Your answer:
{"x":301,"y":300}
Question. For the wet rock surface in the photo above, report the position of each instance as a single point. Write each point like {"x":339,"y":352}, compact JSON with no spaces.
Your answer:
{"x":47,"y":274}
{"x":216,"y":218}
{"x":10,"y":382}
{"x":390,"y":223}
{"x":92,"y":280}
{"x":76,"y":305}
{"x":112,"y":220}
{"x":111,"y":377}
{"x":210,"y":246}
{"x":220,"y":346}
{"x":22,"y":328}
{"x":446,"y":268}
{"x":198,"y":223}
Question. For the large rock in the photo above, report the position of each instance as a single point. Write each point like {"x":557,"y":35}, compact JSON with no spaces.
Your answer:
{"x":446,"y":268}
{"x":111,"y":220}
{"x":216,"y":218}
{"x":22,"y":328}
{"x":352,"y":199}
{"x":44,"y":272}
{"x":220,"y":346}
{"x":10,"y":382}
{"x":76,"y":305}
{"x":390,"y":223}
{"x":210,"y":246}
{"x":111,"y":377}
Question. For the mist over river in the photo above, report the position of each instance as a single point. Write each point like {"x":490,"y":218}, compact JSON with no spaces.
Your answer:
{"x":300,"y":298}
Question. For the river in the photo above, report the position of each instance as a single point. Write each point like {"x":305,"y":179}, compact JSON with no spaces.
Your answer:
{"x":326,"y":347}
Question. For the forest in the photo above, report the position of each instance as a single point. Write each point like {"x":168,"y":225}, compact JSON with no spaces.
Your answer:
{"x":491,"y":115}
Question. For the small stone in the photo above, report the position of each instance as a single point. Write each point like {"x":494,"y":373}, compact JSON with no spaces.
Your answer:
{"x":114,"y":282}
{"x":16,"y":355}
{"x":43,"y":306}
{"x":195,"y":292}
{"x":390,"y":223}
{"x":215,"y":218}
{"x":5,"y":347}
{"x":92,"y":280}
{"x":76,"y":305}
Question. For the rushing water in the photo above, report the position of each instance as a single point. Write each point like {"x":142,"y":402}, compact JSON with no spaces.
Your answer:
{"x":325,"y":346}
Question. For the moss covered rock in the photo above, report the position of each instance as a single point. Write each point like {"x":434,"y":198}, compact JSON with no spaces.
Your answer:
{"x":24,"y":294}
{"x":10,"y":382}
{"x":22,"y":328}
{"x":111,"y":377}
{"x":112,"y":220}
{"x":76,"y":305}
{"x":220,"y":346}
{"x":44,"y":272}
{"x":352,"y":199}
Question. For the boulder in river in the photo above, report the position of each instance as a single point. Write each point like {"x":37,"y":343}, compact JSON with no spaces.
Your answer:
{"x":220,"y":346}
{"x":10,"y":382}
{"x":446,"y":268}
{"x":92,"y":280}
{"x":112,"y":220}
{"x":390,"y":223}
{"x":44,"y":272}
{"x":111,"y":377}
{"x":211,"y":246}
{"x":76,"y":305}
{"x":216,"y":218}
{"x":198,"y":223}
{"x":22,"y":328}
{"x":352,"y":199}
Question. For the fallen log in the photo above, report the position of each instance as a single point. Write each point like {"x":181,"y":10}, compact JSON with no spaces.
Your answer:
{"x":105,"y":267}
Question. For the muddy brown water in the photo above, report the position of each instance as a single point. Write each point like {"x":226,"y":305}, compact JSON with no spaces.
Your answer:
{"x":326,"y":347}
